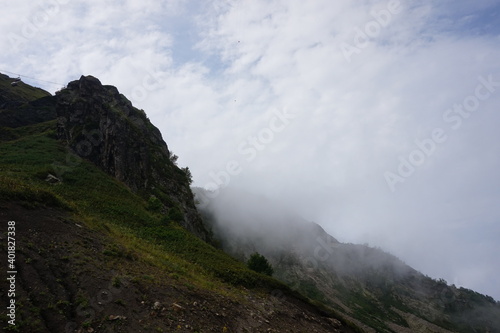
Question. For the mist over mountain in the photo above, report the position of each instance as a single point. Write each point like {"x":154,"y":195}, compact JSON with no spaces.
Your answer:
{"x":250,"y":166}
{"x":100,"y":231}
{"x":86,"y":166}
{"x":372,"y":288}
{"x":368,"y":84}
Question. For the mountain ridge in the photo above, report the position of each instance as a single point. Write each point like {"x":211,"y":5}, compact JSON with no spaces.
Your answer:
{"x":96,"y":255}
{"x":372,"y":288}
{"x":100,"y":205}
{"x":102,"y":126}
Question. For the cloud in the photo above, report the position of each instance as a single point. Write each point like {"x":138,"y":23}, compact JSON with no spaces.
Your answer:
{"x":212,"y":75}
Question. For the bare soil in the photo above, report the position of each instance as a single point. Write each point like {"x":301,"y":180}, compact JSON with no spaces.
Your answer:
{"x":67,"y":282}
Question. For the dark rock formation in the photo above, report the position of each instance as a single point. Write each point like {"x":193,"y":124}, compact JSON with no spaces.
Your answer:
{"x":101,"y":125}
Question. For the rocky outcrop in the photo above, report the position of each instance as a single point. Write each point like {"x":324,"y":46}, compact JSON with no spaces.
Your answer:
{"x":101,"y":125}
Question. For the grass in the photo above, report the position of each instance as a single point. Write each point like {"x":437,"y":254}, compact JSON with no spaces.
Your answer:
{"x":22,"y":91}
{"x":137,"y":229}
{"x":107,"y":205}
{"x":32,"y":195}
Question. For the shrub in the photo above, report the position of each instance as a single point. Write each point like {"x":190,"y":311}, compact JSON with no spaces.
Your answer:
{"x":175,"y":214}
{"x":154,"y":204}
{"x":259,"y":263}
{"x":189,"y":176}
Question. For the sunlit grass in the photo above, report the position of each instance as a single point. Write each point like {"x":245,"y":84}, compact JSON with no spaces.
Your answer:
{"x":105,"y":204}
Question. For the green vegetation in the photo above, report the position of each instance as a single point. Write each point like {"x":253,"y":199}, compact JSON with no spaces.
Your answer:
{"x":139,"y":235}
{"x":259,"y":263}
{"x":145,"y":229}
{"x":174,"y":214}
{"x":21,"y":92}
{"x":105,"y":204}
{"x":189,"y":176}
{"x":154,"y":204}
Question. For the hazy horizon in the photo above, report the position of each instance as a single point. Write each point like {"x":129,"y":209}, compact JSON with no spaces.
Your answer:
{"x":376,"y":120}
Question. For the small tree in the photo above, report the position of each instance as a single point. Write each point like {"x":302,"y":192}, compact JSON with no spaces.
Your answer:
{"x":189,"y":176}
{"x":175,"y":214}
{"x":259,"y":263}
{"x":154,"y":204}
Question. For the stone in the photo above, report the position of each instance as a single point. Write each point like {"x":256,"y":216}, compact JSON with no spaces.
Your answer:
{"x":100,"y":125}
{"x":156,"y":305}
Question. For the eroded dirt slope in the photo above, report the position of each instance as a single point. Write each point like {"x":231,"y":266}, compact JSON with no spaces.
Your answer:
{"x":74,"y":279}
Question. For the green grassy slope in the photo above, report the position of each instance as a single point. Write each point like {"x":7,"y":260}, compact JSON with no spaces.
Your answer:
{"x":104,"y":202}
{"x":22,"y":92}
{"x":121,"y":231}
{"x":22,"y":105}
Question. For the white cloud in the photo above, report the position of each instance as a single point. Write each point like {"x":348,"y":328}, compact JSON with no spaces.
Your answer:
{"x":213,"y":73}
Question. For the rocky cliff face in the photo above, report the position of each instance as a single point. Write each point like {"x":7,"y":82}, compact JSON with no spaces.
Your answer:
{"x":113,"y":264}
{"x":101,"y":125}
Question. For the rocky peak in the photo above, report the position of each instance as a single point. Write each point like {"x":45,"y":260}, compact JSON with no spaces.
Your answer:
{"x":101,"y":125}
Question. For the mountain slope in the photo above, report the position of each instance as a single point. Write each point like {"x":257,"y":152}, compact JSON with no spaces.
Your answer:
{"x":372,"y":288}
{"x":22,"y":105}
{"x":101,"y":125}
{"x":99,"y":250}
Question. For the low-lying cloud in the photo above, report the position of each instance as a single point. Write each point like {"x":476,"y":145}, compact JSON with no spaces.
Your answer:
{"x":364,"y":88}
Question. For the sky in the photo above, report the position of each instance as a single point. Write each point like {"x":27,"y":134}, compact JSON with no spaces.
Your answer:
{"x":376,"y":119}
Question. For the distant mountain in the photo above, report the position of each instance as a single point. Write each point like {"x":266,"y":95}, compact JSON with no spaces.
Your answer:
{"x":104,"y":232}
{"x":372,"y":288}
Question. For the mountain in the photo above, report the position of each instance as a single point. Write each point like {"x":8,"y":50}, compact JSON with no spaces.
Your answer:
{"x":100,"y":233}
{"x":22,"y":106}
{"x":101,"y":125}
{"x":366,"y":285}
